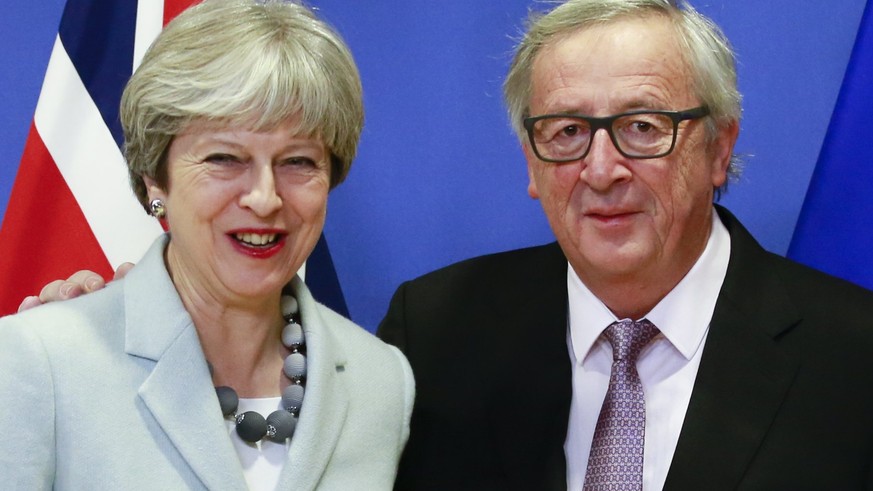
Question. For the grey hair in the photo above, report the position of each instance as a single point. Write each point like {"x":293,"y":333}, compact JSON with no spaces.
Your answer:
{"x":707,"y":52}
{"x":256,"y":63}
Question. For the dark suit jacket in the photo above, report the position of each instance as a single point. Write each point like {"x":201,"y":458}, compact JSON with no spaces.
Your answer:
{"x":783,"y":398}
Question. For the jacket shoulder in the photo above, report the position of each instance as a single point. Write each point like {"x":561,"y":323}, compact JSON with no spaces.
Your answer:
{"x":492,"y":270}
{"x":820,"y":294}
{"x":753,"y":271}
{"x":72,"y":322}
{"x":480,"y":297}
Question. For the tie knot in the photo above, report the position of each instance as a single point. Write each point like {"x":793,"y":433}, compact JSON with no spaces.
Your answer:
{"x":628,"y":338}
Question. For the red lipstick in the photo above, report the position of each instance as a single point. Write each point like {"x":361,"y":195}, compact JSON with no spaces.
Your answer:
{"x":258,"y":243}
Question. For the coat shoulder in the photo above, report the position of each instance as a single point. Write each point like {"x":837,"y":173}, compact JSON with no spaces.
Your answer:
{"x":71,"y":322}
{"x":369,"y":357}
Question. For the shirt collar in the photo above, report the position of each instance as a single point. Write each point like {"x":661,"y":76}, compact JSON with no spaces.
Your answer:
{"x":682,"y":316}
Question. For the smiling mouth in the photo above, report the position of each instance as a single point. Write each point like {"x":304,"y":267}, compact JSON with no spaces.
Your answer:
{"x":610,"y":215}
{"x":257,"y":240}
{"x":611,"y":218}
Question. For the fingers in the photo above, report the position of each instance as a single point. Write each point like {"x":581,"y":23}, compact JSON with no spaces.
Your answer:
{"x":87,"y":281}
{"x":122,"y":270}
{"x":60,"y":290}
{"x":29,"y":303}
{"x":78,"y":283}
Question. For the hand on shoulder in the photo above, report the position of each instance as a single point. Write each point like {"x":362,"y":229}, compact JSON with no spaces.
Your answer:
{"x":78,"y":283}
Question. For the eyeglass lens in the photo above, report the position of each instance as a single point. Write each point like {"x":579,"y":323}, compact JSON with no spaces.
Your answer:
{"x":568,"y":138}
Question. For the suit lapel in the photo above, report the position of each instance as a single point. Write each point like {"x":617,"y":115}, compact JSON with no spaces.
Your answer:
{"x":743,"y":376}
{"x":178,"y":393}
{"x":325,"y":404}
{"x":531,"y":409}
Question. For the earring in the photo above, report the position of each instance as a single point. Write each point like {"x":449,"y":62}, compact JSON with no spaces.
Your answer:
{"x":158,"y":209}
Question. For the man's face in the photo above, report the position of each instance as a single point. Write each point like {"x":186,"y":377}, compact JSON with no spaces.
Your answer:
{"x":621,"y":220}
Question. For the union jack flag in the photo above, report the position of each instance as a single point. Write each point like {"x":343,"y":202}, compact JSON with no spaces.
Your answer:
{"x":71,"y":206}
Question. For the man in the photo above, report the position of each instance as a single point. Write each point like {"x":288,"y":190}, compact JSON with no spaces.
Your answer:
{"x":758,"y":374}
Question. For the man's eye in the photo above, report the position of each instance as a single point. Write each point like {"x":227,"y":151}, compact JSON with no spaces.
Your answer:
{"x":571,"y":130}
{"x":641,"y":127}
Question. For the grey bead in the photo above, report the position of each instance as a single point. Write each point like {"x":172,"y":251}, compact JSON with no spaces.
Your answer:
{"x":280,"y":425}
{"x":295,"y":366}
{"x":251,"y":426}
{"x":292,"y":335}
{"x":292,"y":397}
{"x":227,"y":399}
{"x":289,"y":305}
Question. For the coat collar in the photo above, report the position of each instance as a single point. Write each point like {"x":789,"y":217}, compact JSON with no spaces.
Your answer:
{"x":180,"y":396}
{"x":178,"y":393}
{"x":743,"y":376}
{"x":325,"y":405}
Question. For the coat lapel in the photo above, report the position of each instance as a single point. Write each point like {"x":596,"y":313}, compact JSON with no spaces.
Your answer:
{"x":325,"y":404}
{"x":530,"y":420}
{"x":178,"y":393}
{"x":743,"y":376}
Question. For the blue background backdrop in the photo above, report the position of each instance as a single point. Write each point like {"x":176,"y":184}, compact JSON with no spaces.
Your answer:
{"x":440,"y":177}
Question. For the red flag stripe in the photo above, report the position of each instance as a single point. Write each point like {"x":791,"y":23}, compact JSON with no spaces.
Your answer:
{"x":172,"y":8}
{"x":88,"y":158}
{"x":44,"y":235}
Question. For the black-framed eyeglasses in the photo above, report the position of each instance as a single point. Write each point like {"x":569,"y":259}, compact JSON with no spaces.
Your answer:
{"x":635,"y":134}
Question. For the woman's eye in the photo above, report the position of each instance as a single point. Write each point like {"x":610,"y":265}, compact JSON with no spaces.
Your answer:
{"x":221,"y":158}
{"x":299,"y":162}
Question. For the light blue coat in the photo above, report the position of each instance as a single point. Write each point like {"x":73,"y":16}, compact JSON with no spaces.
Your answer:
{"x":112,"y":391}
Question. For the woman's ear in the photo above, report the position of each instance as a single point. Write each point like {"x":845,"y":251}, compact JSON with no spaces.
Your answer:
{"x":153,"y":190}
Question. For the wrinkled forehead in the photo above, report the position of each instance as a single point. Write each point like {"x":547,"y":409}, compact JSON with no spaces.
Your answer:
{"x":628,"y":63}
{"x":624,"y":36}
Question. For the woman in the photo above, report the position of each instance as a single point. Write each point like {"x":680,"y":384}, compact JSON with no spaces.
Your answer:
{"x":240,"y":119}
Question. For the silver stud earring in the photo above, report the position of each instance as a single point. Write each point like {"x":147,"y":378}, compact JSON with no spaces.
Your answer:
{"x":158,"y":209}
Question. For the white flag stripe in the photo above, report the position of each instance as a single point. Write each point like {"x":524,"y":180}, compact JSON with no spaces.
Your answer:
{"x":92,"y":165}
{"x":149,"y":22}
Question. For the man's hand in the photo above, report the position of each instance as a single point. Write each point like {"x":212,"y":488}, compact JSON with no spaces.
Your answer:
{"x":78,"y":283}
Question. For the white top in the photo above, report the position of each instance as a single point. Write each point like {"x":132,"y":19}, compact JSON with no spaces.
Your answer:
{"x":262,"y":461}
{"x":667,"y":366}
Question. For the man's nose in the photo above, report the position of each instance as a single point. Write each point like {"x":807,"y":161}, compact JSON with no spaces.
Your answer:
{"x":604,"y":165}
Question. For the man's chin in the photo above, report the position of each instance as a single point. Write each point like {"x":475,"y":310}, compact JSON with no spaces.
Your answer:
{"x":607,"y":260}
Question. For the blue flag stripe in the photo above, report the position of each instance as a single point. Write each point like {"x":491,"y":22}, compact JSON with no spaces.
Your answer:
{"x":322,"y":280}
{"x":98,"y":36}
{"x":835,"y":231}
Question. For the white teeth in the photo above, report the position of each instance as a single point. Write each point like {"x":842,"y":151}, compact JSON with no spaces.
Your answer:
{"x":256,"y":239}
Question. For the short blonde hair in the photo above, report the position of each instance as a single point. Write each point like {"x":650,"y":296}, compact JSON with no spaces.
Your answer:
{"x":707,"y":52}
{"x":242,"y":62}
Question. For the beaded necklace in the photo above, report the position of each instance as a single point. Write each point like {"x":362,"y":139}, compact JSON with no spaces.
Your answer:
{"x":280,"y":424}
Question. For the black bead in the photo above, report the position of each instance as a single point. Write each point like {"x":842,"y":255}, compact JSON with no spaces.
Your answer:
{"x":227,"y":399}
{"x":251,"y":426}
{"x":283,"y":424}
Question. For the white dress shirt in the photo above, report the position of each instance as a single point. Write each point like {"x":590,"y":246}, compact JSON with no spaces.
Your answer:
{"x":667,"y":366}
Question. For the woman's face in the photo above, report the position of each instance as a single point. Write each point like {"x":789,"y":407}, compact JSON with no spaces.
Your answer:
{"x":244,"y":208}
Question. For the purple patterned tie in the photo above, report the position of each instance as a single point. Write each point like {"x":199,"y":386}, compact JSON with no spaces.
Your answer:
{"x":616,"y":458}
